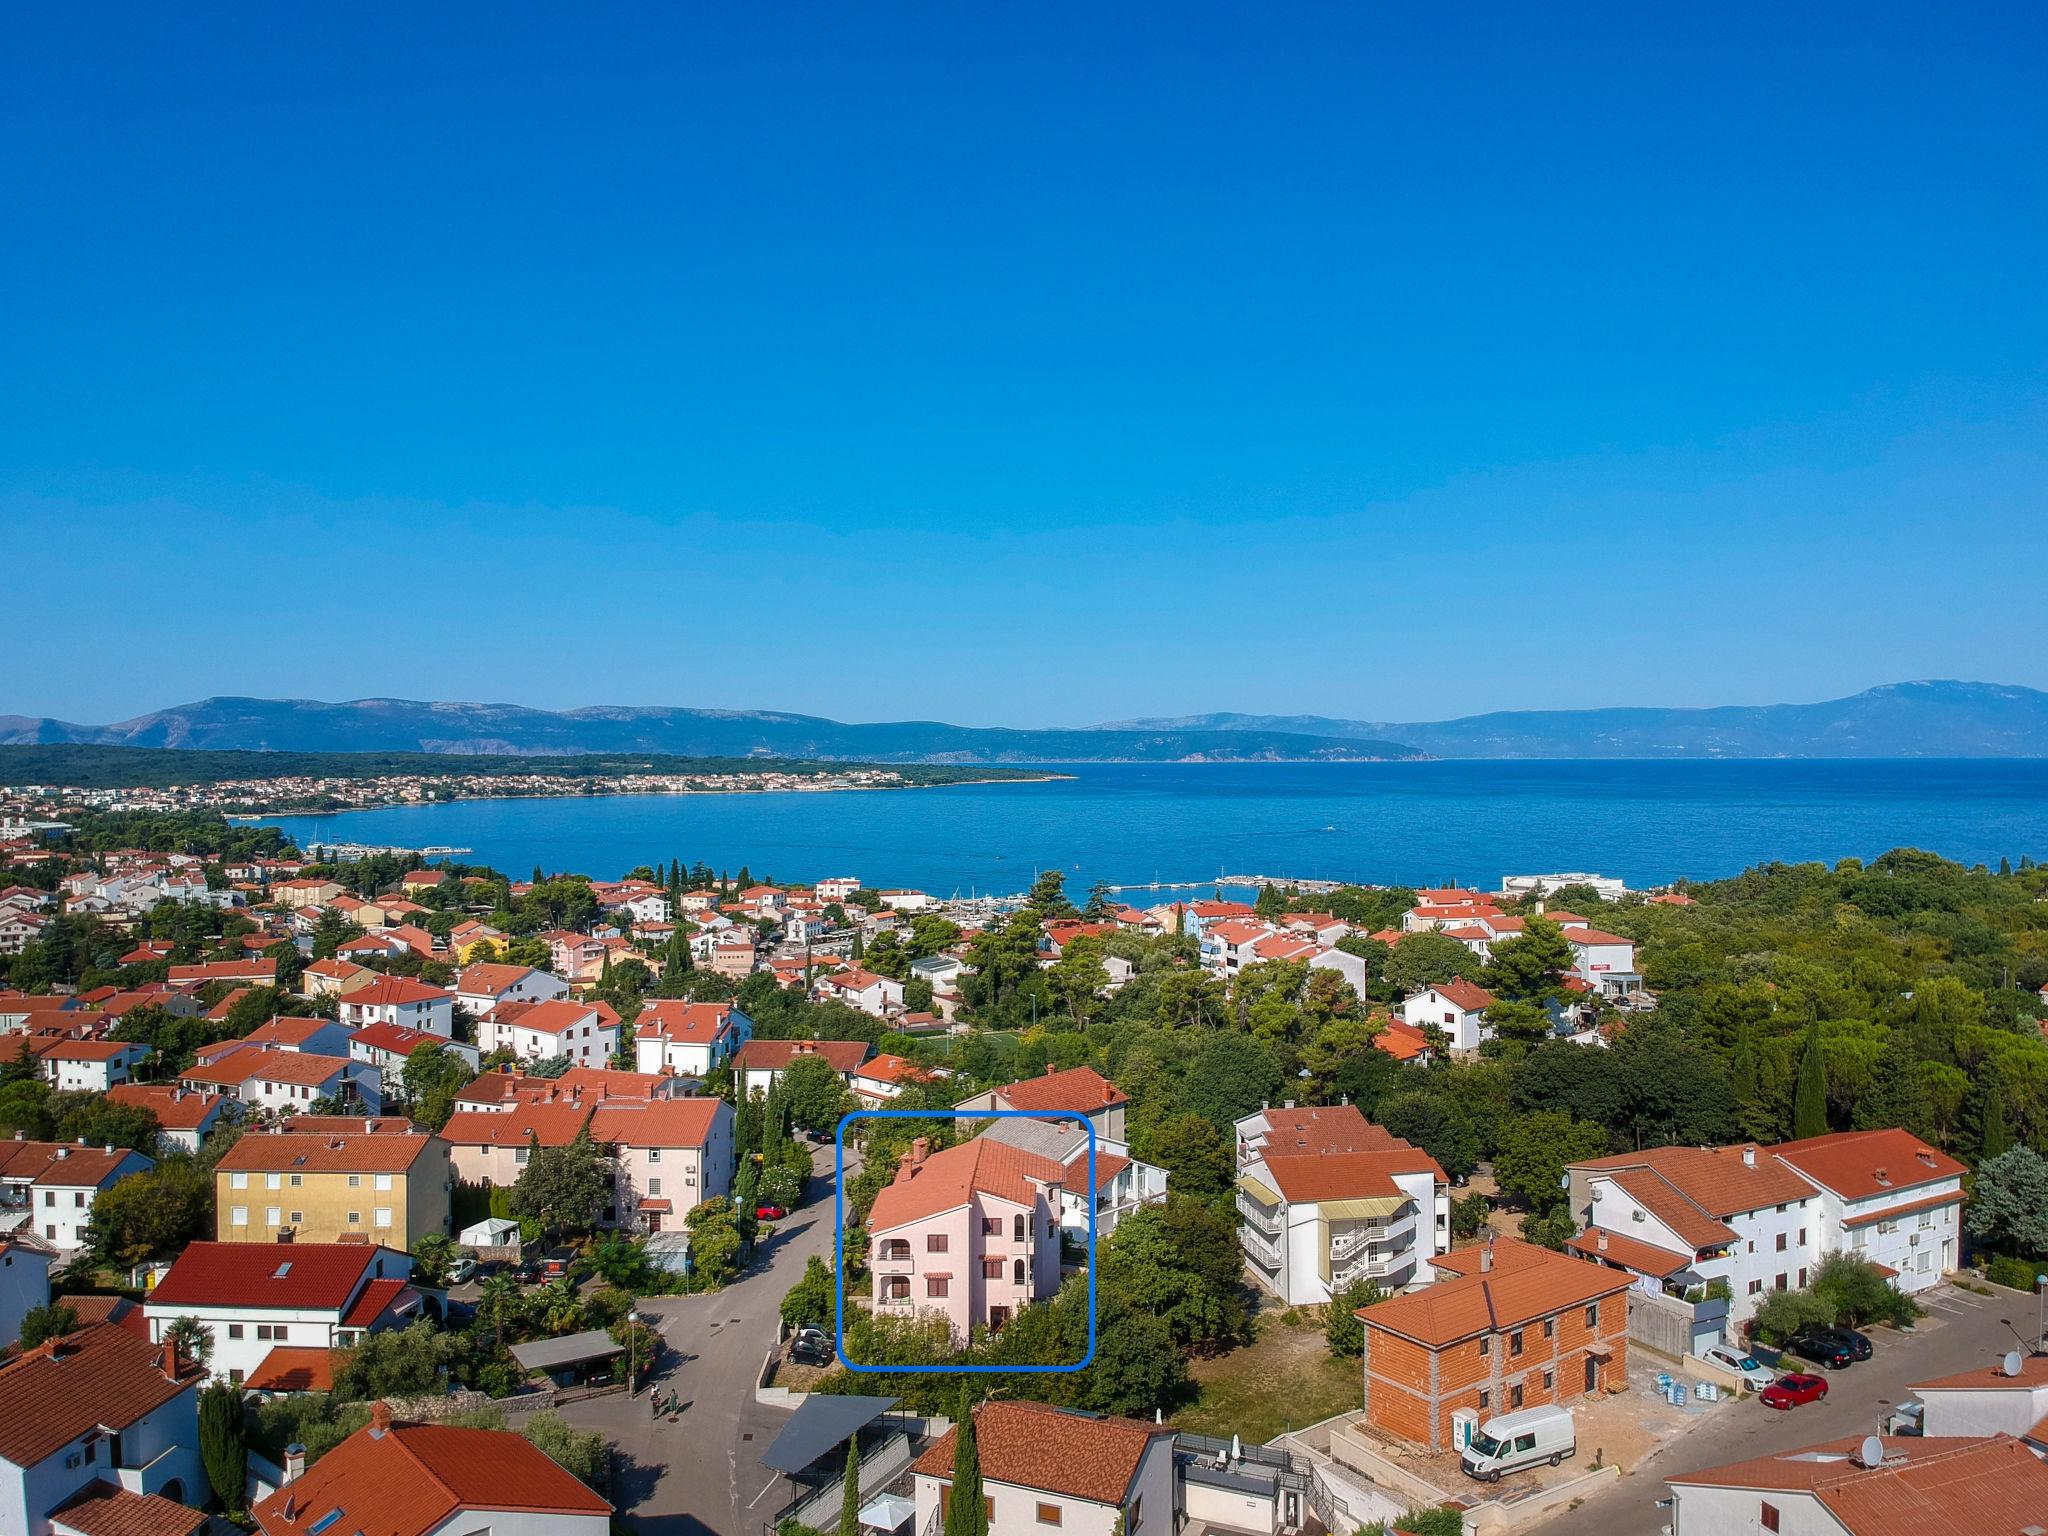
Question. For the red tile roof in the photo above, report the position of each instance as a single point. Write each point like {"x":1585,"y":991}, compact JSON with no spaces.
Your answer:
{"x":1078,"y":1090}
{"x":553,"y":1125}
{"x":1324,"y":1128}
{"x":491,"y":980}
{"x":1402,"y":1041}
{"x":102,"y":1509}
{"x":397,"y":1039}
{"x":1715,"y":1179}
{"x":1079,"y":1455}
{"x":263,"y":971}
{"x":774,"y":1055}
{"x":1526,"y":1283}
{"x":1848,"y":1162}
{"x":553,"y":1017}
{"x":64,"y":1388}
{"x":947,"y":1178}
{"x":1683,"y":1216}
{"x":318,"y":1277}
{"x":1992,"y":1378}
{"x":681,"y":1022}
{"x":389,"y":990}
{"x":253,"y":1062}
{"x":1630,"y":1252}
{"x":660,"y":1123}
{"x":1463,"y":994}
{"x":288,"y":1151}
{"x":378,"y":1298}
{"x":1306,"y":1178}
{"x":293,"y":1368}
{"x":407,"y":1480}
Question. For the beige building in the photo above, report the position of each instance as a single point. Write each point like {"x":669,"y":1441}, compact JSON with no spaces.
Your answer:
{"x":364,"y":1185}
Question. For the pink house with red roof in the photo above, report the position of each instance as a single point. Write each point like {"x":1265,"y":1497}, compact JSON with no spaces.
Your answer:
{"x":970,"y":1234}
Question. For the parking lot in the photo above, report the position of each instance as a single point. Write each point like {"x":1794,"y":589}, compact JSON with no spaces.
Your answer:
{"x":1961,"y":1330}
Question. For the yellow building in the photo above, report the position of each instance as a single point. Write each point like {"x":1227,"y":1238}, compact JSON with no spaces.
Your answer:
{"x":373,"y":1185}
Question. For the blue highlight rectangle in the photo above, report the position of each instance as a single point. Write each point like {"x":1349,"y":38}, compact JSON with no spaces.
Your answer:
{"x":839,"y":1237}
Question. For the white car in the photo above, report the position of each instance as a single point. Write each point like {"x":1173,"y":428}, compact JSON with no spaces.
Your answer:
{"x":1755,"y":1375}
{"x":461,"y":1270}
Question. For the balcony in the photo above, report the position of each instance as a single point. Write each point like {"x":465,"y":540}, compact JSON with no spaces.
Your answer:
{"x":1266,"y":1218}
{"x":1258,"y":1246}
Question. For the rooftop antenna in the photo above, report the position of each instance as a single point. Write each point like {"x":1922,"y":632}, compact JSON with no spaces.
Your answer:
{"x":1871,"y":1452}
{"x":2010,"y":1365}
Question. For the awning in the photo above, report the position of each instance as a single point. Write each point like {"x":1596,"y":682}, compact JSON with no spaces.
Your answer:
{"x":571,"y":1349}
{"x":887,"y":1513}
{"x":1259,"y":1190}
{"x":660,"y":1206}
{"x":1362,"y":1210}
{"x":822,"y":1425}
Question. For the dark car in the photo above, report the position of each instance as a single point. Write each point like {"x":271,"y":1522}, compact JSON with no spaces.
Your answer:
{"x":1823,"y":1346}
{"x":1792,"y":1390}
{"x":805,"y":1351}
{"x":458,"y":1314}
{"x":1859,"y":1344}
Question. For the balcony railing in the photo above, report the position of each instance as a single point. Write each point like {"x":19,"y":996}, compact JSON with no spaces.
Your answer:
{"x":1259,"y":1246}
{"x":1265,"y":1218}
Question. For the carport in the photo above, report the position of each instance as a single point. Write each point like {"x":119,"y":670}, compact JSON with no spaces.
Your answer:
{"x":811,"y":1452}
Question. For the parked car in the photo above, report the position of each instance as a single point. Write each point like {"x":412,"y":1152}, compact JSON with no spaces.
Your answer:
{"x":769,"y":1213}
{"x":556,"y":1262}
{"x":1790,"y":1391}
{"x":461,"y":1270}
{"x":1754,"y":1373}
{"x":810,"y":1347}
{"x":458,"y":1314}
{"x":1517,"y":1440}
{"x":1823,"y":1346}
{"x":1859,"y":1343}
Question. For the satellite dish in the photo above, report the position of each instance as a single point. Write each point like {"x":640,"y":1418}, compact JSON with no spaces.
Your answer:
{"x":2010,"y":1365}
{"x":1871,"y":1453}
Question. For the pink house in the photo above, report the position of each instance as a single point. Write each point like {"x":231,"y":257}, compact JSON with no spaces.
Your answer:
{"x":970,"y":1234}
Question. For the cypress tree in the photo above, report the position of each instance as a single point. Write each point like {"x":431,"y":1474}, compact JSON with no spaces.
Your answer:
{"x":966,"y":1513}
{"x":222,"y":1450}
{"x":1810,"y":1092}
{"x":1997,"y":1133}
{"x":1742,"y":1070}
{"x":849,"y":1494}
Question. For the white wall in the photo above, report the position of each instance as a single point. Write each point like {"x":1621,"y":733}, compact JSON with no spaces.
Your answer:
{"x":1738,"y":1512}
{"x":1995,"y":1412}
{"x":24,"y":1286}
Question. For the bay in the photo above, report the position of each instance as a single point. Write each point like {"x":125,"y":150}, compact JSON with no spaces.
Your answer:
{"x":1388,"y":823}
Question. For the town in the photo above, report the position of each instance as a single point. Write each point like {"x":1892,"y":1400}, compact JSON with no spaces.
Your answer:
{"x":408,"y":1195}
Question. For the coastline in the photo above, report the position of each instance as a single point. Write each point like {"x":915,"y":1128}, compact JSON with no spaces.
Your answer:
{"x":605,"y":794}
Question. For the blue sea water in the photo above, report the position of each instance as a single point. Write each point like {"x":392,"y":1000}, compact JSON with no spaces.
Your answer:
{"x":1387,"y":823}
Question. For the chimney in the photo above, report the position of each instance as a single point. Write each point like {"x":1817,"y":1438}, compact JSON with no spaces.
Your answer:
{"x":1749,"y":1157}
{"x":167,"y":1359}
{"x":380,"y":1417}
{"x":1603,"y":1242}
{"x":1108,"y":1091}
{"x":369,"y":1126}
{"x":902,"y":1169}
{"x":1883,"y":1177}
{"x":920,"y":1149}
{"x":1486,"y":1257}
{"x":294,"y":1462}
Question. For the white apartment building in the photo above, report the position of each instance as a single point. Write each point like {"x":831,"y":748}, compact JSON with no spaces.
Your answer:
{"x":687,"y":1039}
{"x":1049,"y":1470}
{"x":543,"y":1031}
{"x":1885,"y":1196}
{"x":54,"y":1184}
{"x":1325,"y":1198}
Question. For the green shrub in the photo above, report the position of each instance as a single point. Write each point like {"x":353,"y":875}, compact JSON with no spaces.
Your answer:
{"x":2006,"y":1270}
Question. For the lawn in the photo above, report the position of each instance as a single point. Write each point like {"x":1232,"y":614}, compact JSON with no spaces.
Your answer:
{"x":1282,"y":1380}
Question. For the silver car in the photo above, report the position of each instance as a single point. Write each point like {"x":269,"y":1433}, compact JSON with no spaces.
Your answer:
{"x":1755,"y":1375}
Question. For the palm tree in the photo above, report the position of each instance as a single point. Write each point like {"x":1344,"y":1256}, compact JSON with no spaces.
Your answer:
{"x":193,"y":1338}
{"x":498,"y":1298}
{"x":560,"y":1311}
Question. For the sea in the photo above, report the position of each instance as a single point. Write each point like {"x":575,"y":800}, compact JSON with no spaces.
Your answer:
{"x":1184,"y":825}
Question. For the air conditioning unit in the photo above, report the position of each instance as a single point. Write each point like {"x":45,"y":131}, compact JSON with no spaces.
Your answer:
{"x":1913,"y":1241}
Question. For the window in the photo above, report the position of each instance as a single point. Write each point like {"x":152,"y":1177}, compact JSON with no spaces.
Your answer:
{"x":1515,"y":1398}
{"x":1593,"y":1315}
{"x":1549,"y":1380}
{"x":991,"y":1226}
{"x":1525,"y":1442}
{"x":299,"y":1216}
{"x":938,"y":1285}
{"x":238,"y":1181}
{"x":1048,"y":1514}
{"x":654,"y":1154}
{"x":935,"y":1242}
{"x":1755,"y":1286}
{"x":1779,"y":1283}
{"x":1515,"y":1342}
{"x":1781,"y":1242}
{"x":273,"y":1181}
{"x":653,"y":1188}
{"x":1767,"y":1516}
{"x":355,"y":1180}
{"x":1802,"y":1237}
{"x":273,"y":1214}
{"x":1017,"y":1271}
{"x":78,"y":1198}
{"x":383,"y":1216}
{"x":991,"y":1269}
{"x":1485,"y":1345}
{"x":234,"y":1330}
{"x":1485,"y":1399}
{"x":298,"y":1181}
{"x":1017,"y":1228}
{"x":1550,"y":1327}
{"x":239,"y":1216}
{"x":519,"y":1155}
{"x":355,"y":1218}
{"x":1802,"y":1277}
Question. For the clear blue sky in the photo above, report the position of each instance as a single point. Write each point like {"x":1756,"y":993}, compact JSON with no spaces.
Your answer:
{"x":1010,"y":366}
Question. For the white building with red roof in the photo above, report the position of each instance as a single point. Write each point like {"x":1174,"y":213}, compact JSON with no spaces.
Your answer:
{"x":1912,"y":1486}
{"x":862,"y":989}
{"x":395,"y":1479}
{"x":1605,"y":961}
{"x":1081,"y":1091}
{"x":688,"y":1039}
{"x":246,"y":973}
{"x":545,"y":1031}
{"x":256,"y":1296}
{"x":482,"y":987}
{"x":1047,"y":1469}
{"x":91,"y":1066}
{"x":400,"y":1000}
{"x":1457,"y":1007}
{"x":99,"y":1435}
{"x":388,"y":1047}
{"x":881,"y":1078}
{"x":668,"y":1156}
{"x":286,"y":1081}
{"x":184,"y":1116}
{"x":1885,"y":1196}
{"x":57,"y":1183}
{"x":759,"y":1064}
{"x":2007,"y":1396}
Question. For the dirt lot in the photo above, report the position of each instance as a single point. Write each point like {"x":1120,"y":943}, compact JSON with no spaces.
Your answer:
{"x":1282,"y":1380}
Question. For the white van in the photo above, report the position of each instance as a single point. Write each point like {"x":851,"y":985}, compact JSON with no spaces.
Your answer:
{"x":1517,"y":1440}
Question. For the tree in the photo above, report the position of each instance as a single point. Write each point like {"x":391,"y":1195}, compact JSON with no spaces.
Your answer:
{"x":193,"y":1338}
{"x":1343,"y":1331}
{"x":1230,"y":1077}
{"x":1193,"y":1152}
{"x":102,"y":1122}
{"x":404,"y":1362}
{"x":149,"y":1214}
{"x":809,"y":1302}
{"x":432,"y":1077}
{"x":432,"y":1255}
{"x":1525,"y":969}
{"x":714,"y":1240}
{"x":849,"y":1490}
{"x":2009,"y":1205}
{"x":1177,"y":1262}
{"x":1810,"y":1091}
{"x":966,"y":1513}
{"x":47,"y":1322}
{"x":1859,"y":1293}
{"x":586,"y":1457}
{"x":1783,"y":1313}
{"x":813,"y":1094}
{"x":564,"y":1189}
{"x":1426,"y":960}
{"x":1897,"y":1096}
{"x":223,"y":1451}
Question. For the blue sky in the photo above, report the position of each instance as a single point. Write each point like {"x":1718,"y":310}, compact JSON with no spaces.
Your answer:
{"x":1021,"y":367}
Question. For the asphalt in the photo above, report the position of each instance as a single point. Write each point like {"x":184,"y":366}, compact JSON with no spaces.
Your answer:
{"x":699,"y":1471}
{"x":1961,"y":1330}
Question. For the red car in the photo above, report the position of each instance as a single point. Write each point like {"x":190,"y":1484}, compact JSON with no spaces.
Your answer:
{"x":769,"y":1213}
{"x":1791,"y":1391}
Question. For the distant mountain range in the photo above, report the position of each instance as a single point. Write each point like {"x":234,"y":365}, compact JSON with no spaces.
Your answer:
{"x":1930,"y":719}
{"x":406,"y":725}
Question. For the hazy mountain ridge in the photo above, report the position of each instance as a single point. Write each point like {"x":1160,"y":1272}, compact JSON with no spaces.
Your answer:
{"x":1918,"y":719}
{"x":512,"y":730}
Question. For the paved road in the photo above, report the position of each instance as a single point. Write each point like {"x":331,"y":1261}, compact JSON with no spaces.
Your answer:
{"x":703,"y":1473}
{"x":1962,"y":1330}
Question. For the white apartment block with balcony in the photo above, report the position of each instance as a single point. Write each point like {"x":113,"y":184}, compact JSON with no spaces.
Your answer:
{"x":1326,"y":1198}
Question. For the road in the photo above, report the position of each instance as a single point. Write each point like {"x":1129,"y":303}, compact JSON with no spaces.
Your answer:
{"x":703,"y":1473}
{"x":1960,"y":1331}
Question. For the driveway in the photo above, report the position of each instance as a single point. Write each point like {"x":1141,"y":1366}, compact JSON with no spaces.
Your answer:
{"x":1961,"y":1330}
{"x":703,"y":1473}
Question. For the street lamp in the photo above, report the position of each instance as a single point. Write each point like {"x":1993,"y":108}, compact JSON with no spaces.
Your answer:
{"x":632,"y":1340}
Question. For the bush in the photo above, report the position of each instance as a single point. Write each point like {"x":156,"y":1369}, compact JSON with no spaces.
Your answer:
{"x":2006,"y":1270}
{"x":1784,"y":1313}
{"x":1343,"y":1331}
{"x":1859,"y":1293}
{"x":1419,"y":1522}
